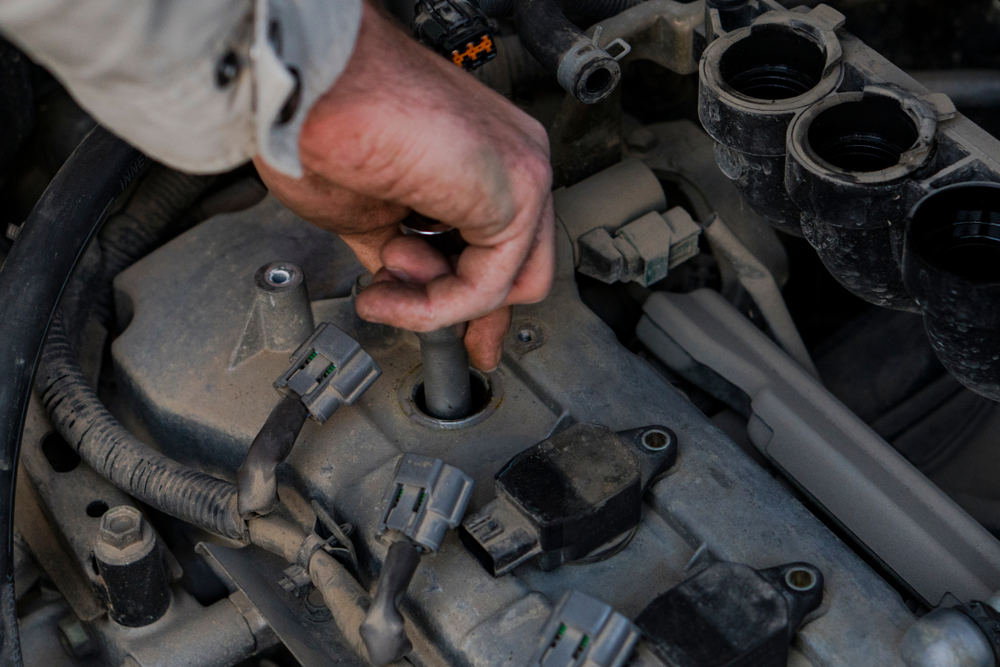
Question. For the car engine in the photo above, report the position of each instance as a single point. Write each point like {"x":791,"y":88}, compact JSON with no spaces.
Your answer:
{"x":752,"y":425}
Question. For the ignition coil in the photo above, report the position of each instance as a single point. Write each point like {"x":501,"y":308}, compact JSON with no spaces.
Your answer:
{"x":574,"y":496}
{"x":456,"y":29}
{"x":728,"y":614}
{"x":444,"y":359}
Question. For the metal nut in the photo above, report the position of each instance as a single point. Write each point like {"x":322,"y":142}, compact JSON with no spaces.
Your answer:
{"x":121,"y":527}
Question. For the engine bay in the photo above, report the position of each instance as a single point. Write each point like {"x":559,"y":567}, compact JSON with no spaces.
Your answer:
{"x":751,"y":425}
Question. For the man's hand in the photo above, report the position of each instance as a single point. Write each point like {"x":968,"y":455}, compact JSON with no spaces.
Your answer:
{"x":406,"y":129}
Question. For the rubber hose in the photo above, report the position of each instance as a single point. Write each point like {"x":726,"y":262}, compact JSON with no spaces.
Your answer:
{"x":257,"y":478}
{"x":590,"y":9}
{"x":585,"y":70}
{"x":78,"y":413}
{"x":32,"y":281}
{"x":156,"y":212}
{"x":383,"y":630}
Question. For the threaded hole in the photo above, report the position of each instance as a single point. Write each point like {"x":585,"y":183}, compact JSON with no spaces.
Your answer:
{"x":958,"y":230}
{"x":866,"y":135}
{"x":773,"y":63}
{"x":279,"y":276}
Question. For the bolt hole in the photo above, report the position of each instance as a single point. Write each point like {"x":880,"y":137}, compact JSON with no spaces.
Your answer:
{"x":279,"y":276}
{"x":773,"y":63}
{"x":525,"y":335}
{"x":59,"y":454}
{"x":800,"y":579}
{"x":96,"y":509}
{"x":481,"y":395}
{"x":655,"y":440}
{"x":598,"y":80}
{"x":870,"y":134}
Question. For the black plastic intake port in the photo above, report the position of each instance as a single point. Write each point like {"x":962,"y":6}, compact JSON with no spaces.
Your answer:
{"x":866,"y":135}
{"x":958,"y":231}
{"x":773,"y":63}
{"x":951,"y":264}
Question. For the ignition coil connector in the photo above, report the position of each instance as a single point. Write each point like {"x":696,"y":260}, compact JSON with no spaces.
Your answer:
{"x":328,"y":370}
{"x":456,"y":29}
{"x":584,"y":631}
{"x":425,"y":499}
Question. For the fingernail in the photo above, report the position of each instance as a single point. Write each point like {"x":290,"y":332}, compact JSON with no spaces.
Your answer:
{"x":493,"y":364}
{"x":398,"y":274}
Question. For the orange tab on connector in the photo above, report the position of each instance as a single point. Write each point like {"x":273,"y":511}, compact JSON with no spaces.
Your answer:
{"x":474,"y":54}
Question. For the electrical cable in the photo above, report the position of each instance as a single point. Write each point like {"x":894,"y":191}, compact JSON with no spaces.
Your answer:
{"x":32,"y":280}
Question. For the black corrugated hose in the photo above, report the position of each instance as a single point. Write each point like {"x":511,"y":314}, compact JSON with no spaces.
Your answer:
{"x":76,"y":411}
{"x":32,"y":280}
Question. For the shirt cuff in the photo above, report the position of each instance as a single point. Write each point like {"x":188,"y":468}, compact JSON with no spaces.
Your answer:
{"x":300,"y":49}
{"x":200,"y":86}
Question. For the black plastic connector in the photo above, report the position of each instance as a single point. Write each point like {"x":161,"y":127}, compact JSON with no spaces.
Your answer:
{"x":575,"y":495}
{"x":456,"y":29}
{"x":731,"y":614}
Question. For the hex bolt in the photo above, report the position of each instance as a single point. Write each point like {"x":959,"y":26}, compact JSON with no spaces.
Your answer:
{"x":132,"y":568}
{"x":316,"y":608}
{"x":121,"y":527}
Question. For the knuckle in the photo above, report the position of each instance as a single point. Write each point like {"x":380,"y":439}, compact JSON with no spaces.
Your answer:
{"x":537,"y":171}
{"x":538,"y":134}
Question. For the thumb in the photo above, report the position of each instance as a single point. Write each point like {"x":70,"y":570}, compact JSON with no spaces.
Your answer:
{"x":484,"y":339}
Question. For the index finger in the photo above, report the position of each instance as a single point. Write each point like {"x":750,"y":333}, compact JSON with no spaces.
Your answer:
{"x":481,"y":283}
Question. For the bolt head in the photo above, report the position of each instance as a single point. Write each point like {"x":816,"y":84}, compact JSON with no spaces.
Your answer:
{"x":121,"y":527}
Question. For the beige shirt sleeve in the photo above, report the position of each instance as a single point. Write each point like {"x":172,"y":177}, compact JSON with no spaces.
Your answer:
{"x":200,"y":85}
